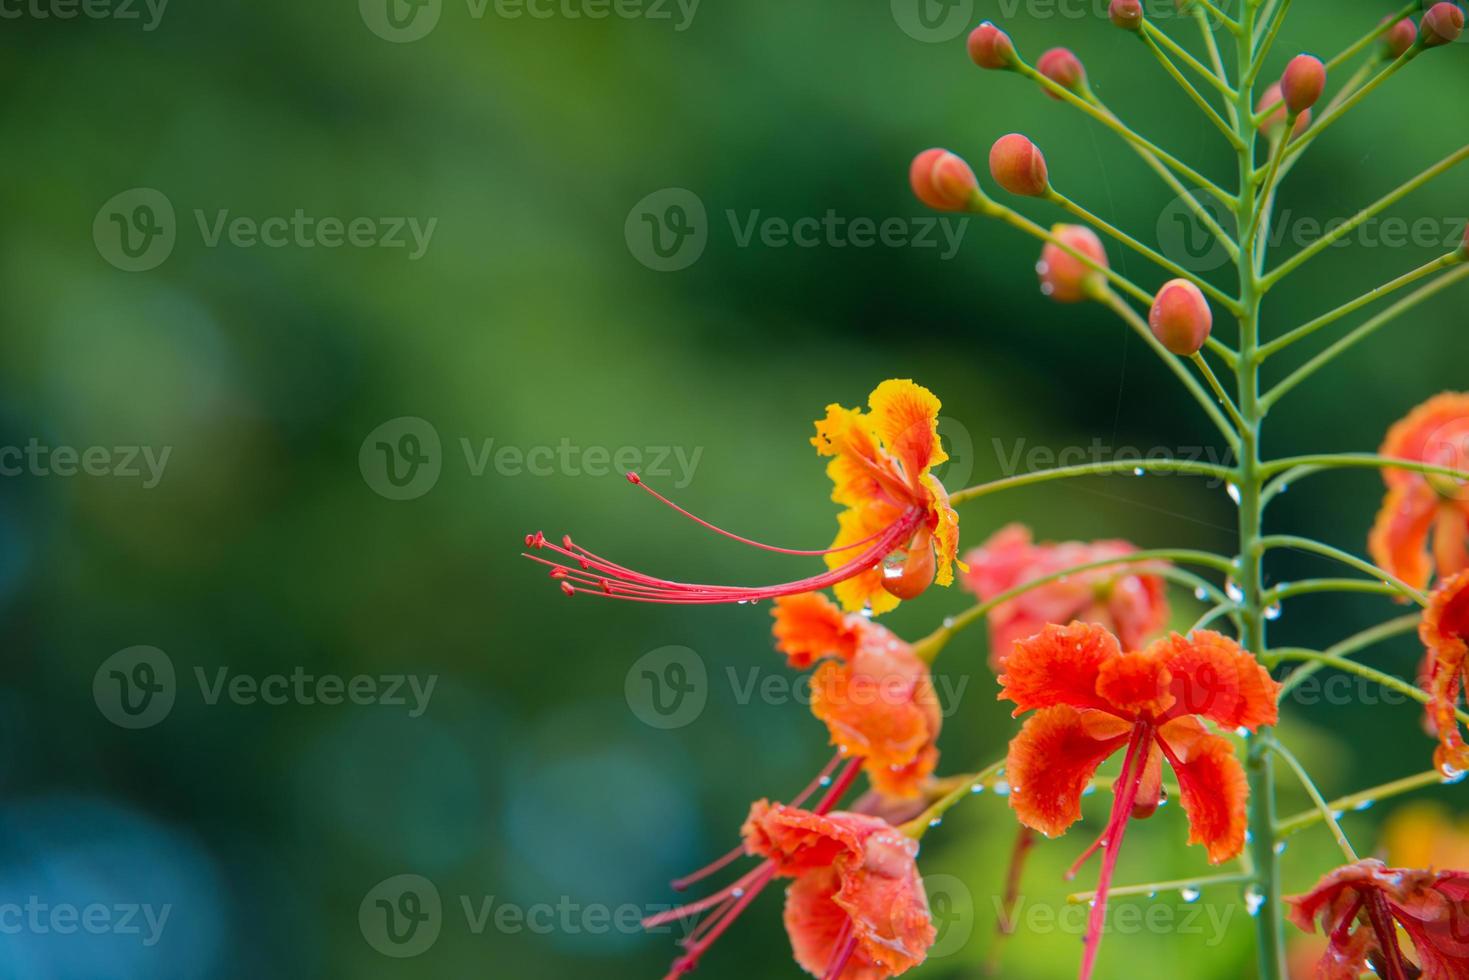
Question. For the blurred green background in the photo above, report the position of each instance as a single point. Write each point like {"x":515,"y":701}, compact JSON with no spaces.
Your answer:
{"x":270,"y":543}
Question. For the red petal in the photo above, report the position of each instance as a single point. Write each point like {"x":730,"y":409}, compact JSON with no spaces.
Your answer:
{"x":1059,"y":665}
{"x":1212,"y":784}
{"x":1216,"y":678}
{"x":1052,"y":761}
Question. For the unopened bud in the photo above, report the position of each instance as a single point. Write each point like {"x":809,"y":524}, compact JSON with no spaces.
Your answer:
{"x":1127,"y":14}
{"x":1064,"y":277}
{"x":990,"y":47}
{"x":1275,"y":122}
{"x":1443,"y":24}
{"x":1181,"y":318}
{"x":1303,"y":82}
{"x":1064,"y":68}
{"x":1400,"y":38}
{"x":942,"y":180}
{"x":1018,"y":166}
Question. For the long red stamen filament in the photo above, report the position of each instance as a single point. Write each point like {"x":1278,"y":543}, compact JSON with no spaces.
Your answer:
{"x":594,"y":575}
{"x":1127,"y":762}
{"x":1137,"y":755}
{"x":686,"y":963}
{"x":1024,"y":841}
{"x":842,"y":950}
{"x":1387,"y":937}
{"x":637,"y":481}
{"x":823,"y":778}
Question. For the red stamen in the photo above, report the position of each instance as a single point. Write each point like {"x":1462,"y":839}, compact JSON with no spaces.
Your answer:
{"x":1024,"y":841}
{"x":686,"y":963}
{"x":585,"y":572}
{"x":1116,"y":828}
{"x":842,"y":950}
{"x":634,"y":479}
{"x":1127,"y":763}
{"x":1387,"y":936}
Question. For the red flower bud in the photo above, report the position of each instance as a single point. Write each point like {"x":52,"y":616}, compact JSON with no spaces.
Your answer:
{"x":1400,"y":38}
{"x":1064,"y":277}
{"x":1064,"y":68}
{"x":1018,"y":166}
{"x":990,"y":47}
{"x":1181,"y":318}
{"x":1443,"y":24}
{"x":1303,"y":82}
{"x":1127,"y":14}
{"x":1275,"y":122}
{"x":942,"y":180}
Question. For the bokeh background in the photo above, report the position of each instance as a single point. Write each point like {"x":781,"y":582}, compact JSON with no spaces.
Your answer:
{"x":537,"y":321}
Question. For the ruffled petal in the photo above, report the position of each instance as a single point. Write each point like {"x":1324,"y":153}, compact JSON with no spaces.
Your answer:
{"x":809,"y":626}
{"x":1213,"y":676}
{"x":1444,"y":631}
{"x":945,"y":532}
{"x":1059,"y":665}
{"x":1136,"y":684}
{"x":1212,"y":786}
{"x":1432,"y":432}
{"x":1053,"y":760}
{"x":1450,"y":534}
{"x":905,"y":417}
{"x":883,"y":896}
{"x":1399,"y":538}
{"x":798,"y":840}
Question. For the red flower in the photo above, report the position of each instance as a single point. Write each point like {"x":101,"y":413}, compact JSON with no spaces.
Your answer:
{"x":1360,"y":907}
{"x":897,"y":536}
{"x":1092,"y":700}
{"x":1444,"y":631}
{"x":1419,"y":506}
{"x":1124,"y":598}
{"x":856,"y":909}
{"x":874,"y":694}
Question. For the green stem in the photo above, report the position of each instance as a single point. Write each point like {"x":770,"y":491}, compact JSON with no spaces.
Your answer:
{"x":1216,"y":62}
{"x":1345,"y":557}
{"x":1377,"y":677}
{"x":1263,"y":47}
{"x":1151,"y":887}
{"x":1148,"y":36}
{"x":1366,"y":299}
{"x":1388,"y":315}
{"x":1152,"y":255}
{"x":1316,"y":585}
{"x":1349,"y":646}
{"x":1322,"y":806}
{"x":1352,"y":51}
{"x":1300,"y":144}
{"x":1372,"y":461}
{"x":1114,"y":467}
{"x":1356,"y":801}
{"x":1219,"y":391}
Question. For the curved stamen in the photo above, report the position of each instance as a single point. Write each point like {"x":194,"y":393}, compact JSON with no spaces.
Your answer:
{"x":1132,"y":778}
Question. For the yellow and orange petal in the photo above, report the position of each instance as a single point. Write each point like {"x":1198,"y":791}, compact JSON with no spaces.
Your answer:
{"x":809,"y":627}
{"x":905,"y":417}
{"x":1213,"y":788}
{"x":1444,"y":631}
{"x":1053,"y":760}
{"x":1398,"y":541}
{"x":863,"y":590}
{"x":1216,"y":678}
{"x":945,"y":532}
{"x":1060,"y":665}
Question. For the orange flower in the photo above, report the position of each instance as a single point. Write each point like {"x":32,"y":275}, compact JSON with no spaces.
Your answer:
{"x":1444,"y":631}
{"x":1092,"y":700}
{"x":1124,"y":598}
{"x":1419,"y":506}
{"x":874,"y":694}
{"x":857,"y":910}
{"x":1360,"y":907}
{"x":897,"y":536}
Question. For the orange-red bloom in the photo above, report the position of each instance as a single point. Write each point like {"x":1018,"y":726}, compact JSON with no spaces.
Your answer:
{"x":1092,"y":700}
{"x":1360,"y":907}
{"x":1420,"y":506}
{"x":857,"y":909}
{"x":1127,"y":599}
{"x":897,"y":536}
{"x":1444,"y":631}
{"x":874,"y":694}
